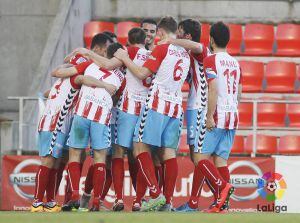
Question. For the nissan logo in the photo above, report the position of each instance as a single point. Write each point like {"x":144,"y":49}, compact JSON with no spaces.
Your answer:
{"x":17,"y":178}
{"x":245,"y":180}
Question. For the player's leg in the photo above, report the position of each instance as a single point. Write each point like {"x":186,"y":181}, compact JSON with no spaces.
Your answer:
{"x":148,"y":131}
{"x":100,"y":142}
{"x":108,"y":180}
{"x":159,"y":168}
{"x":221,"y":156}
{"x":78,"y":141}
{"x":42,"y":175}
{"x":118,"y":176}
{"x":210,"y":171}
{"x":133,"y":168}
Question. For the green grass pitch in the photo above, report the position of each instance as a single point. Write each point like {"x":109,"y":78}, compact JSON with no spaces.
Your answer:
{"x":110,"y":217}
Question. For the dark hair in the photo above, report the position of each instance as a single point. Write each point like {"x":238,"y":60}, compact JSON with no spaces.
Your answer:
{"x":149,"y":21}
{"x":112,"y":48}
{"x":110,"y":34}
{"x":136,"y":36}
{"x":100,"y":40}
{"x":220,"y":33}
{"x":192,"y":27}
{"x":168,"y":23}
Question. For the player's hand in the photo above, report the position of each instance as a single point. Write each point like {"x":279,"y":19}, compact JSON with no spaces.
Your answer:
{"x":121,"y":54}
{"x":210,"y":123}
{"x":111,"y":89}
{"x":83,"y":51}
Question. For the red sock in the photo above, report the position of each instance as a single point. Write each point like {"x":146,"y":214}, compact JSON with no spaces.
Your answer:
{"x":98,"y":181}
{"x":198,"y":180}
{"x":108,"y":181}
{"x":159,"y":175}
{"x":88,"y":184}
{"x":68,"y":190}
{"x":117,"y":169}
{"x":74,"y":176}
{"x":212,"y":175}
{"x":224,"y":172}
{"x":147,"y":168}
{"x":60,"y":172}
{"x":41,"y":182}
{"x":51,"y":187}
{"x":215,"y":193}
{"x":171,"y":172}
{"x":141,"y":186}
{"x":133,"y":170}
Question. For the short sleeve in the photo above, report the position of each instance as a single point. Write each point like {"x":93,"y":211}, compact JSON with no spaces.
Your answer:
{"x":200,"y":57}
{"x":82,"y":66}
{"x":156,"y":57}
{"x":72,"y":81}
{"x":132,"y":51}
{"x":209,"y":66}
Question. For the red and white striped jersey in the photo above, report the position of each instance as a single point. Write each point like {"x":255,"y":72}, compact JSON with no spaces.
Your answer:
{"x":226,"y":70}
{"x":197,"y":98}
{"x":134,"y":95}
{"x":96,"y":103}
{"x":56,"y":100}
{"x":171,"y":64}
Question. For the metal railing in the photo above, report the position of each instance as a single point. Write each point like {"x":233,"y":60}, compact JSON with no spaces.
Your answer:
{"x":254,"y":129}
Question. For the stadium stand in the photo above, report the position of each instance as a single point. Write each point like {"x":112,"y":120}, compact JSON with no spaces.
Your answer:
{"x":265,"y":144}
{"x":293,"y":112}
{"x":238,"y":145}
{"x":280,"y":77}
{"x":234,"y":45}
{"x":271,"y":114}
{"x":245,"y":115}
{"x":94,"y":27}
{"x":253,"y":75}
{"x":259,"y":39}
{"x":289,"y":145}
{"x":122,"y":30}
{"x":288,"y":40}
{"x":205,"y":34}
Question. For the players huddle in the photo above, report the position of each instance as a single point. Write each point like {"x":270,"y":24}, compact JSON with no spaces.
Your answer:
{"x":120,"y":100}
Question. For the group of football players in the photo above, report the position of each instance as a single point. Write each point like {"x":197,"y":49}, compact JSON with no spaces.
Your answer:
{"x":118,"y":100}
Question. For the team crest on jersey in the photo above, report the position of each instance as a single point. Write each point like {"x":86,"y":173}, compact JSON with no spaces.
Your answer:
{"x":210,"y":73}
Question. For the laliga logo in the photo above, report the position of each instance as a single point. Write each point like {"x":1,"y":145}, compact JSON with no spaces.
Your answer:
{"x":245,"y":180}
{"x":17,"y":178}
{"x":271,"y":186}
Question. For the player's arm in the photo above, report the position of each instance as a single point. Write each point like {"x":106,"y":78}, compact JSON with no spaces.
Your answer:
{"x":64,"y":72}
{"x":196,"y":48}
{"x":103,"y":62}
{"x":93,"y":82}
{"x":71,"y":71}
{"x":140,"y":72}
{"x":211,"y":104}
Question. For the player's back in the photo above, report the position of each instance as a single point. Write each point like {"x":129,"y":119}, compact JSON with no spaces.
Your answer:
{"x":96,"y":103}
{"x":171,"y":64}
{"x":226,"y":70}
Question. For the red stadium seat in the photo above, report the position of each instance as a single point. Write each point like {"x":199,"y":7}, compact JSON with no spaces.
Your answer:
{"x":258,"y":39}
{"x":264,"y":144}
{"x":289,"y":144}
{"x":245,"y":114}
{"x":234,"y":45}
{"x":93,"y":28}
{"x":271,"y":114}
{"x":288,"y":40}
{"x":280,"y":76}
{"x":205,"y":29}
{"x":184,"y":105}
{"x":123,"y":29}
{"x":293,"y":112}
{"x":238,"y":145}
{"x":253,"y":74}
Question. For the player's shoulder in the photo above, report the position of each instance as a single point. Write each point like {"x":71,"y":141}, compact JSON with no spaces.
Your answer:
{"x":118,"y":73}
{"x":210,"y":59}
